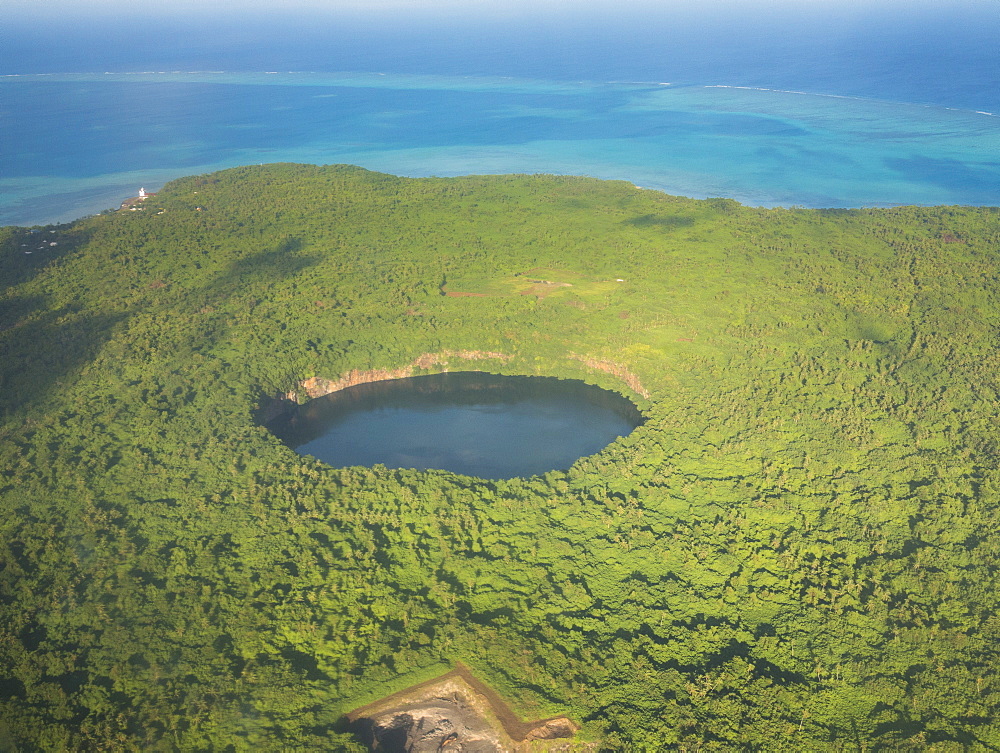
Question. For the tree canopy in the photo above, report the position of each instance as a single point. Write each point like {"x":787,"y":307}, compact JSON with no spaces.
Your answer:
{"x":798,"y":549}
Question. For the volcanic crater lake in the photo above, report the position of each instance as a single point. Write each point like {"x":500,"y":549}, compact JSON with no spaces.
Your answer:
{"x":472,"y":423}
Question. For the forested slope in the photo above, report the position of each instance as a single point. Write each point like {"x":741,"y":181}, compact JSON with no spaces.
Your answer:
{"x":797,"y":550}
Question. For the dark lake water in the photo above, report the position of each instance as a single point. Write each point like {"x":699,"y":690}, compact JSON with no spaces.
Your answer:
{"x":472,"y":423}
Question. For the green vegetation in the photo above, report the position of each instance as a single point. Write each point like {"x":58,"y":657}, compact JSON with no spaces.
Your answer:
{"x":798,"y":549}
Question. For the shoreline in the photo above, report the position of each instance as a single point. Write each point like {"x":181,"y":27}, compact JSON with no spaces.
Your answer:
{"x":84,"y":204}
{"x":784,"y":147}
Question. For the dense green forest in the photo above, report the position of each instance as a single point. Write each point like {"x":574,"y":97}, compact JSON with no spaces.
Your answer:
{"x":797,"y":550}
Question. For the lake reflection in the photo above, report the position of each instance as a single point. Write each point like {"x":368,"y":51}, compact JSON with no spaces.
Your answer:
{"x":472,"y":423}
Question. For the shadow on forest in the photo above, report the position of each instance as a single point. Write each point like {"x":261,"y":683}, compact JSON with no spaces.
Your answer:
{"x":39,"y":353}
{"x":262,"y":267}
{"x":38,"y":350}
{"x":18,"y":267}
{"x":905,"y":729}
{"x":15,"y":310}
{"x":733,"y":650}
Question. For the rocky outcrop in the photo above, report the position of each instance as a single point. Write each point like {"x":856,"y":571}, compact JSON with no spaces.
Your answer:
{"x":314,"y":387}
{"x":318,"y":386}
{"x":615,"y":370}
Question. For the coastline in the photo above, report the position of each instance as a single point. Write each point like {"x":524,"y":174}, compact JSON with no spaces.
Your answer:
{"x":764,"y":147}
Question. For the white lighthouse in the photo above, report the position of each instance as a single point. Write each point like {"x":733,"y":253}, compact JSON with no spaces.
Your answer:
{"x":142,"y":193}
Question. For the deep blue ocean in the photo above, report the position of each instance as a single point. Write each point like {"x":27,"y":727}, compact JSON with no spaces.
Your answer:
{"x":838,"y":106}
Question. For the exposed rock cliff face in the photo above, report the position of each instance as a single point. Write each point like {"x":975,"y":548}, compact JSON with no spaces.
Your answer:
{"x":314,"y":387}
{"x":614,"y":369}
{"x":318,"y":386}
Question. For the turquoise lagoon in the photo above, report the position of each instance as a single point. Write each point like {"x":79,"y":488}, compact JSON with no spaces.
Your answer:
{"x":76,"y":144}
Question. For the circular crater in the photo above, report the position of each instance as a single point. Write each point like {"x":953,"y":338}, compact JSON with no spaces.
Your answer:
{"x":473,"y":423}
